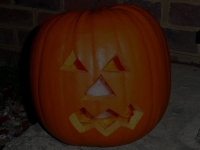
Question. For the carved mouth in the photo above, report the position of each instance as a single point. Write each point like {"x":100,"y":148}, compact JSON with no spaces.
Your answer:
{"x":107,"y":122}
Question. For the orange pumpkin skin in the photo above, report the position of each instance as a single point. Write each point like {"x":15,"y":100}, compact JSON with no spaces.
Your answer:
{"x":95,"y":37}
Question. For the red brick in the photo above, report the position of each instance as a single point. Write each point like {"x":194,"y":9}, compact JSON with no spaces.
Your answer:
{"x":42,"y":16}
{"x":9,"y":57}
{"x":4,"y":1}
{"x":4,"y":119}
{"x":7,"y":36}
{"x":3,"y":131}
{"x":153,"y":8}
{"x":16,"y":17}
{"x":179,"y":40}
{"x":184,"y":14}
{"x":25,"y":125}
{"x":22,"y":36}
{"x":44,"y":4}
{"x":87,"y":4}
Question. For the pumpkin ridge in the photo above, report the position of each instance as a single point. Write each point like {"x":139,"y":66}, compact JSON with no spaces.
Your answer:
{"x":112,"y":16}
{"x":165,"y":57}
{"x":38,"y":105}
{"x":159,"y":36}
{"x":163,"y":44}
{"x":42,"y":53}
{"x":141,"y":19}
{"x":152,"y":60}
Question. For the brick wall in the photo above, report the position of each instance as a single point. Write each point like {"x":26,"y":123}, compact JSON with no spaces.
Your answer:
{"x":180,"y":20}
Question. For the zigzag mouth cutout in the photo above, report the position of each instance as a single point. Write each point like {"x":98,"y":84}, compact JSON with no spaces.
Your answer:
{"x":107,"y":122}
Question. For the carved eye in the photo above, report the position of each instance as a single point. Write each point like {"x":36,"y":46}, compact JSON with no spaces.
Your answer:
{"x":72,"y":63}
{"x":114,"y":65}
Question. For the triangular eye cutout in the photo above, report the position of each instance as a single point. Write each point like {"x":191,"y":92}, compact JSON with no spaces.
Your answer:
{"x":72,"y":63}
{"x":114,"y":65}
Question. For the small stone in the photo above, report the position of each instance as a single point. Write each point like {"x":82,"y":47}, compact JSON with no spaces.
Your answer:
{"x":21,"y":108}
{"x":11,"y":123}
{"x":18,"y":119}
{"x":11,"y":116}
{"x":18,"y":132}
{"x":16,"y":123}
{"x":7,"y":108}
{"x":3,"y":136}
{"x":198,"y":136}
{"x":5,"y":113}
{"x":22,"y":114}
{"x":8,"y":137}
{"x":12,"y":130}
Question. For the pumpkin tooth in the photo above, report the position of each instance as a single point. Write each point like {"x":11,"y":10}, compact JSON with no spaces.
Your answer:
{"x":84,"y":116}
{"x":106,"y":122}
{"x":128,"y":112}
{"x":124,"y":120}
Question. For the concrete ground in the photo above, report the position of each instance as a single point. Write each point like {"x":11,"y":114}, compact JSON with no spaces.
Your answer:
{"x":178,"y":130}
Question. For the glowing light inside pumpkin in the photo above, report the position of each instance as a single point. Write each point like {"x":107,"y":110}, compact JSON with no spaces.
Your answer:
{"x":100,"y":88}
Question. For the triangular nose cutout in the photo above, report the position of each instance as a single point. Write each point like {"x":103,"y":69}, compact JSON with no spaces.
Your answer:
{"x":99,"y":88}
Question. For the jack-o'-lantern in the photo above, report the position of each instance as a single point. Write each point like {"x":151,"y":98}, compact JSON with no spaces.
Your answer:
{"x":100,"y":77}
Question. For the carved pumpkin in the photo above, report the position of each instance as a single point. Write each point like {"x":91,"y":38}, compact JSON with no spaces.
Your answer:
{"x":100,"y":77}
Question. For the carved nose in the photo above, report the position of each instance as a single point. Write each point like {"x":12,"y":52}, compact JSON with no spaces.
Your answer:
{"x":99,"y":88}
